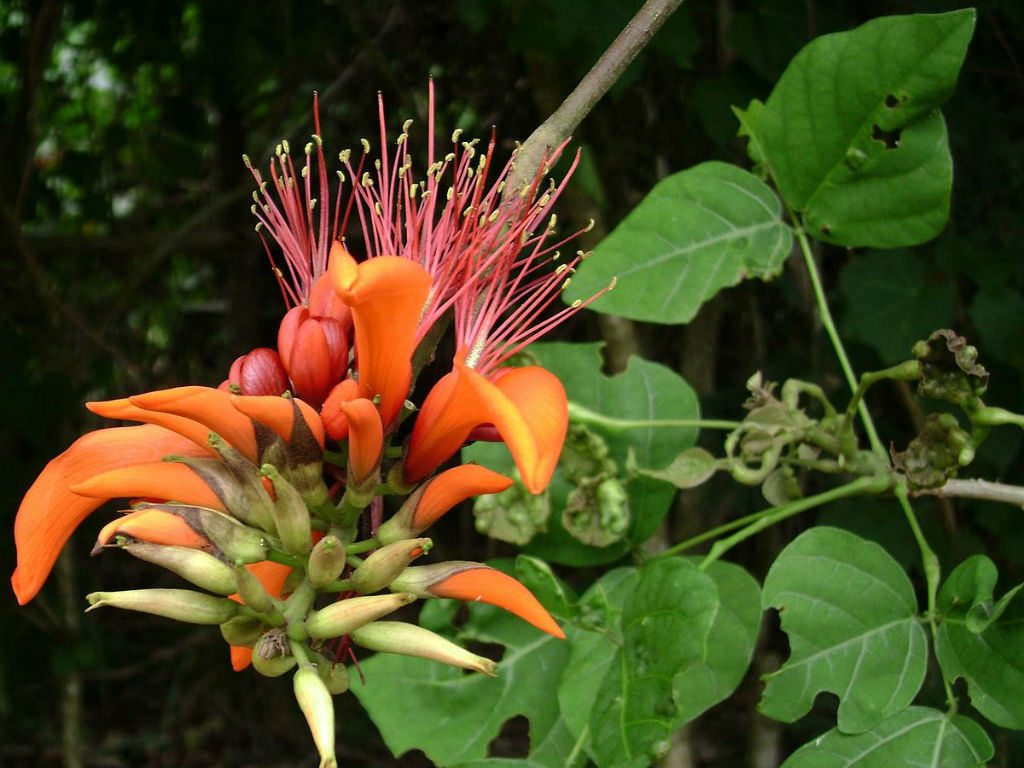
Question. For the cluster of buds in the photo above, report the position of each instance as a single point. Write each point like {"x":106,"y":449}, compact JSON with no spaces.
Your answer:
{"x":269,"y":494}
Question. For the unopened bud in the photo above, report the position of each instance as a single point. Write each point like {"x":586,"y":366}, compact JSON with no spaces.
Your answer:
{"x":380,"y":568}
{"x":326,"y":561}
{"x":271,"y":656}
{"x":291,"y":516}
{"x":235,"y":481}
{"x":198,"y":567}
{"x":318,"y":707}
{"x":413,"y":640}
{"x":238,"y":542}
{"x":178,"y":604}
{"x":342,"y":617}
{"x":251,"y":591}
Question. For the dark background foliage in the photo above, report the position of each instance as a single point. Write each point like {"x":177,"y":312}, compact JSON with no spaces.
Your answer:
{"x":129,"y":263}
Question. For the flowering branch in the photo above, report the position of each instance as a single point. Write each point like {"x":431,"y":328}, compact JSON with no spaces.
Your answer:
{"x":977,"y":489}
{"x":563,"y":121}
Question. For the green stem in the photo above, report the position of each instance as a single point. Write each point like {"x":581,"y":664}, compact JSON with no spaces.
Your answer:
{"x":361,"y":546}
{"x":905,"y":371}
{"x":773,"y":515}
{"x":932,"y":576}
{"x":285,"y":559}
{"x":837,"y":344}
{"x":579,"y":412}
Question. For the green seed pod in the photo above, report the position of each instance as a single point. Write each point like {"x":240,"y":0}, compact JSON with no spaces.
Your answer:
{"x":342,"y":617}
{"x":238,"y":542}
{"x":251,"y":590}
{"x":318,"y":707}
{"x":326,"y":561}
{"x":413,"y":640}
{"x":178,"y":604}
{"x":291,"y":516}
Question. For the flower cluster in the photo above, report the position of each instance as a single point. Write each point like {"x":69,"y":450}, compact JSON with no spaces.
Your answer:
{"x":268,"y":493}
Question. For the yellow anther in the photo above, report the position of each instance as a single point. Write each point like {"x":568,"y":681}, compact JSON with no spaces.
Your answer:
{"x":344,"y":155}
{"x":590,"y":226}
{"x":377,"y":208}
{"x":312,"y":204}
{"x":366,"y":146}
{"x":450,"y":193}
{"x":366,"y":181}
{"x":255,"y":196}
{"x":308,"y":149}
{"x":277,"y":150}
{"x":561,"y":268}
{"x":287,"y":149}
{"x":341,"y":176}
{"x":566,"y":283}
{"x":304,"y":171}
{"x":259,"y":226}
{"x":401,"y":139}
{"x":455,"y":135}
{"x":407,"y":125}
{"x":247,"y":161}
{"x":576,"y":303}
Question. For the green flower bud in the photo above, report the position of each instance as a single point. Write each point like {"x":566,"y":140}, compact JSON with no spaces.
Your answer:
{"x":271,"y":656}
{"x":252,"y":592}
{"x":178,"y":604}
{"x":318,"y":707}
{"x":198,"y":567}
{"x":413,"y":640}
{"x":291,"y":516}
{"x":380,"y":568}
{"x":342,"y":617}
{"x":242,"y":630}
{"x":326,"y":561}
{"x":238,"y":542}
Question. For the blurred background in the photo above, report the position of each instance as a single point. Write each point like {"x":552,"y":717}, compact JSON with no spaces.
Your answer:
{"x":128,"y":262}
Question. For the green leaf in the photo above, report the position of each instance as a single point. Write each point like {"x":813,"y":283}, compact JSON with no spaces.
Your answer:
{"x":851,"y":133}
{"x":982,"y":641}
{"x":689,"y":469}
{"x":665,"y":626}
{"x":916,"y":736}
{"x":696,"y":232}
{"x":893,"y":299}
{"x":851,"y":616}
{"x":453,"y":716}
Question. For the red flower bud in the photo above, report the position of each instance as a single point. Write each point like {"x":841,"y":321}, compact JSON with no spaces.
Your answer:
{"x":260,"y":372}
{"x":314,"y":351}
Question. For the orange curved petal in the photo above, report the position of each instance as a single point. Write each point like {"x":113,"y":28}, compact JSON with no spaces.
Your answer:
{"x":123,"y":408}
{"x":333,"y":417}
{"x":157,"y":480}
{"x":271,"y":575}
{"x":278,"y":414}
{"x":155,"y":526}
{"x":50,"y":512}
{"x":527,"y":406}
{"x":386,"y":295}
{"x":365,"y":438}
{"x":452,"y":487}
{"x":488,"y":585}
{"x":241,"y":657}
{"x":210,"y":407}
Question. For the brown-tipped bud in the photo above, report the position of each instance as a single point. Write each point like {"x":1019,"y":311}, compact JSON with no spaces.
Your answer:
{"x":238,"y":542}
{"x":413,"y":640}
{"x":241,"y":630}
{"x":198,"y":567}
{"x":326,"y":561}
{"x":318,"y":707}
{"x":476,"y":582}
{"x":271,"y":656}
{"x":342,"y":617}
{"x":380,"y":568}
{"x":178,"y":604}
{"x":251,"y":591}
{"x":240,"y":487}
{"x":291,"y":516}
{"x":437,"y":496}
{"x":260,"y":372}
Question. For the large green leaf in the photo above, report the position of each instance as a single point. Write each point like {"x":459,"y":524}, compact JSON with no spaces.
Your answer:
{"x":851,"y":133}
{"x":665,"y":627}
{"x":453,"y":716}
{"x":696,"y":232}
{"x":982,"y":641}
{"x":893,"y":300}
{"x":917,"y":736}
{"x":851,"y":616}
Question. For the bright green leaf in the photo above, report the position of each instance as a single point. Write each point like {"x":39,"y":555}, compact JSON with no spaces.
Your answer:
{"x":917,"y":736}
{"x":991,"y":660}
{"x":696,"y":232}
{"x":851,"y":616}
{"x":665,"y":627}
{"x":851,"y":133}
{"x":452,"y":716}
{"x":687,"y":470}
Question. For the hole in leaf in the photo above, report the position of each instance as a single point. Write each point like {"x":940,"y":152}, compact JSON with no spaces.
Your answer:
{"x":891,"y":101}
{"x":513,"y":740}
{"x":891,"y":139}
{"x":825,"y":229}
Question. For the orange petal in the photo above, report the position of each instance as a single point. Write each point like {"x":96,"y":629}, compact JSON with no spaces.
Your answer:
{"x":241,"y":657}
{"x":488,"y":585}
{"x":155,"y":526}
{"x":386,"y":295}
{"x":271,"y":575}
{"x":365,"y":438}
{"x":210,"y":407}
{"x":50,"y":512}
{"x":157,"y":480}
{"x":334,"y":419}
{"x":123,"y":409}
{"x":452,"y":487}
{"x":278,"y":414}
{"x":527,"y":406}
